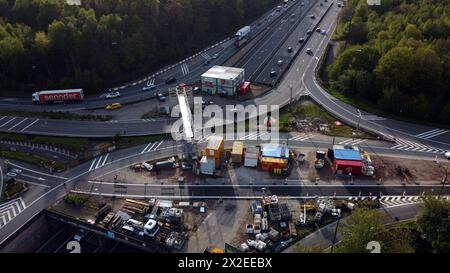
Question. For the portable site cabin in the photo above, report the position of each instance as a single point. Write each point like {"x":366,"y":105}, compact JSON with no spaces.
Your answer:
{"x":251,"y":157}
{"x":237,"y":152}
{"x":215,"y":149}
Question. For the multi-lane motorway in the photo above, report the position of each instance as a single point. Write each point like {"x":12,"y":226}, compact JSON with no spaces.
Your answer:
{"x":300,"y":78}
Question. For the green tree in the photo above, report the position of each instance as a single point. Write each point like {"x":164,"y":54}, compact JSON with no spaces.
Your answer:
{"x":434,"y":223}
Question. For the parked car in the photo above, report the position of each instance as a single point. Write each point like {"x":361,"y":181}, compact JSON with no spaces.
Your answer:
{"x":148,"y":87}
{"x":112,"y":95}
{"x":81,"y":233}
{"x":170,"y":80}
{"x":113,"y":106}
{"x":447,"y":155}
{"x":161,"y":97}
{"x":196,"y":90}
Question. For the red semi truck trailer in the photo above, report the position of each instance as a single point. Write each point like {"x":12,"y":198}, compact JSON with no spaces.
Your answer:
{"x":54,"y":96}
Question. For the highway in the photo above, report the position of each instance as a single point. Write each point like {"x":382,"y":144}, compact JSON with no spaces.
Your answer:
{"x":404,"y":134}
{"x":187,"y":70}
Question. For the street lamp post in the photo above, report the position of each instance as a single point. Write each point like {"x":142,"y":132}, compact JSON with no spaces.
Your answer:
{"x":335,"y":234}
{"x":359,"y":119}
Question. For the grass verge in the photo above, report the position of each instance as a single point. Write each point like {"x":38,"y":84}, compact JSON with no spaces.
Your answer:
{"x":32,"y":159}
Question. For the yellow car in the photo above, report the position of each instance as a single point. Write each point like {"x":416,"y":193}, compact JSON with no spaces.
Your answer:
{"x":113,"y":106}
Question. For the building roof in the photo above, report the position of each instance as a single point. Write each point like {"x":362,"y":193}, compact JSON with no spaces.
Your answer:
{"x":223,"y":72}
{"x":349,"y":163}
{"x":274,"y":150}
{"x":347,"y":154}
{"x":214,"y":142}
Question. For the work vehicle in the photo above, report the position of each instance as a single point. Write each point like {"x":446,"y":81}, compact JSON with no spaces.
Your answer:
{"x":151,"y":228}
{"x":273,"y":73}
{"x":320,"y":160}
{"x":280,"y":62}
{"x":112,"y":95}
{"x":112,"y":106}
{"x":148,"y":87}
{"x":57,"y":96}
{"x":170,"y":80}
{"x":242,"y":36}
{"x":81,"y":233}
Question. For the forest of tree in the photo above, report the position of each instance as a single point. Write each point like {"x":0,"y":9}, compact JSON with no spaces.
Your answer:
{"x":48,"y":44}
{"x":396,"y":56}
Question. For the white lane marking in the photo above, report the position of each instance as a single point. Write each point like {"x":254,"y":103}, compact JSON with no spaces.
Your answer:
{"x":92,"y":165}
{"x":157,"y":146}
{"x":29,"y":125}
{"x":432,"y":133}
{"x":18,"y":123}
{"x":300,"y":138}
{"x":33,"y":171}
{"x":104,"y":161}
{"x":98,"y":162}
{"x":36,"y":184}
{"x":2,"y":118}
{"x":11,"y":209}
{"x":7,"y":122}
{"x":147,"y":148}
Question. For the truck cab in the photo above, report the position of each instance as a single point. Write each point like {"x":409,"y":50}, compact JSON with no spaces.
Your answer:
{"x":35,"y":97}
{"x":151,"y":228}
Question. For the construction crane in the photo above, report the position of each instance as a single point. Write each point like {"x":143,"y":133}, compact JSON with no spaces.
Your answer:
{"x":189,"y":143}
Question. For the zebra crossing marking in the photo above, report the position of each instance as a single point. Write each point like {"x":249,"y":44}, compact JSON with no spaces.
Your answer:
{"x":9,"y":210}
{"x":206,"y":56}
{"x":352,"y":141}
{"x":431,"y":133}
{"x":184,"y":69}
{"x":152,"y":146}
{"x":300,"y":138}
{"x":97,"y":162}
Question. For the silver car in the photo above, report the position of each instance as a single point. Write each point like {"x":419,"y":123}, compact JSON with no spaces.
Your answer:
{"x":112,"y":95}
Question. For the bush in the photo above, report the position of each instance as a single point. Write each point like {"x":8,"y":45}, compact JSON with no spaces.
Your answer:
{"x":76,"y":199}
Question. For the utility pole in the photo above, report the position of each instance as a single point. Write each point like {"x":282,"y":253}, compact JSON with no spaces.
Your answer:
{"x":359,"y":119}
{"x":335,"y":233}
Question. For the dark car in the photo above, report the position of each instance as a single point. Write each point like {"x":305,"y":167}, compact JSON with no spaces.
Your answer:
{"x":289,"y":49}
{"x":207,"y":62}
{"x":170,"y":80}
{"x":312,"y":16}
{"x":301,"y":40}
{"x":196,"y":90}
{"x":273,"y":73}
{"x":308,"y":32}
{"x":318,"y":30}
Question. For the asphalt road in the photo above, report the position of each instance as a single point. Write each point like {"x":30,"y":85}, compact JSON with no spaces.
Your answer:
{"x":54,"y":187}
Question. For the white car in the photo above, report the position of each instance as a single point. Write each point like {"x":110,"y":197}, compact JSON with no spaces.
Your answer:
{"x":112,"y":95}
{"x":447,"y":155}
{"x":148,"y":87}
